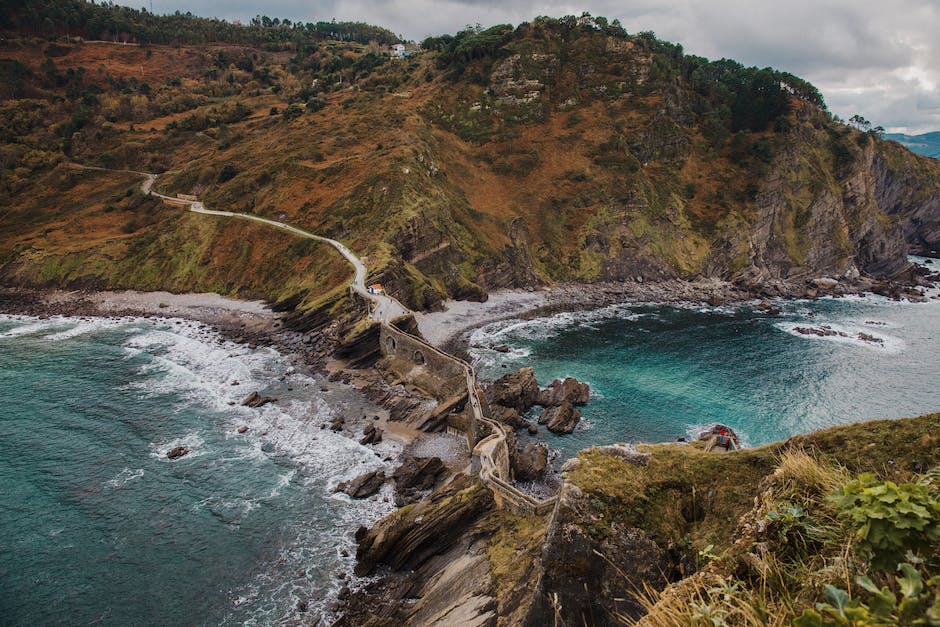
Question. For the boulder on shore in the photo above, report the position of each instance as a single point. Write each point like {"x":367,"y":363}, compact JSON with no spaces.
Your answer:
{"x":371,"y":435}
{"x":177,"y":452}
{"x":570,"y":390}
{"x":561,"y":419}
{"x":416,"y":475}
{"x":518,"y":390}
{"x":337,"y":423}
{"x":531,"y":462}
{"x":256,"y":400}
{"x":364,"y":485}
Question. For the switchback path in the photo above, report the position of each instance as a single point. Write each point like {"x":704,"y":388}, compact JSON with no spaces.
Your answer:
{"x":492,"y":450}
{"x":385,"y":307}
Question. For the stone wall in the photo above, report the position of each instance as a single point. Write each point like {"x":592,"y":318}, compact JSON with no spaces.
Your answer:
{"x":435,"y":372}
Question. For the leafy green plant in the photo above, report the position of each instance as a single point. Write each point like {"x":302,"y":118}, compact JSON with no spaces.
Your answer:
{"x":913,"y":602}
{"x":889,"y":519}
{"x":794,"y":527}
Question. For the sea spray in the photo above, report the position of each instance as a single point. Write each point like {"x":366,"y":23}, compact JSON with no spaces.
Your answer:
{"x":99,"y":525}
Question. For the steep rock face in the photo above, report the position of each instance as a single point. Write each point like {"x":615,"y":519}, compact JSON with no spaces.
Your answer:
{"x":813,"y":218}
{"x":607,"y":567}
{"x":905,"y":187}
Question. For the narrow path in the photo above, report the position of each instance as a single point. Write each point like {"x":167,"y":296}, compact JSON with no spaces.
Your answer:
{"x":385,"y":307}
{"x":493,"y":450}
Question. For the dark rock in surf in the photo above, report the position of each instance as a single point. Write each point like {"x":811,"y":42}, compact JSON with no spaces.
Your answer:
{"x":256,"y":400}
{"x":364,"y":485}
{"x":177,"y":452}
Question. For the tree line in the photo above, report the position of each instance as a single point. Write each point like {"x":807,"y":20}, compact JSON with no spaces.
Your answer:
{"x":111,"y":22}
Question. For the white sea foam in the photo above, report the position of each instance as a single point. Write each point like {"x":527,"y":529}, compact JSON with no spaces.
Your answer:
{"x":125,"y":476}
{"x":26,"y":329}
{"x":846,"y":333}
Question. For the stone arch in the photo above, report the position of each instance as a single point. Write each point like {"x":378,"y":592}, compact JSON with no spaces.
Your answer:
{"x":390,"y":343}
{"x":419,"y":358}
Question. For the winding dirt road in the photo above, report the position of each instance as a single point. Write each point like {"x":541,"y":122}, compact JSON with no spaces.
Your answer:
{"x":384,"y":307}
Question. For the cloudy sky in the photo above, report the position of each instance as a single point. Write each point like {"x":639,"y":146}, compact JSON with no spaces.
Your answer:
{"x":875,"y":58}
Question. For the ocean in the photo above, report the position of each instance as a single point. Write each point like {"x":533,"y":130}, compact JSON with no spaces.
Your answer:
{"x":97,"y":526}
{"x":658,"y":373}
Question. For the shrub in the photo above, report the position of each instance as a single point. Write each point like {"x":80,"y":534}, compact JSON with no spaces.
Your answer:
{"x":889,"y":519}
{"x":227,"y":173}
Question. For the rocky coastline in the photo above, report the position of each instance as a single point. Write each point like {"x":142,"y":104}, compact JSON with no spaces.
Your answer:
{"x":452,"y":332}
{"x":459,"y":515}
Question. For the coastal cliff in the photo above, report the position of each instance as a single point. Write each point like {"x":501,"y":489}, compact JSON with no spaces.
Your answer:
{"x":647,"y":533}
{"x":560,"y":150}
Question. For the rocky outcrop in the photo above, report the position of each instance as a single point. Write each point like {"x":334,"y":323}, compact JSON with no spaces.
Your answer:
{"x":560,"y":419}
{"x":256,"y":400}
{"x":364,"y":485}
{"x":518,"y":390}
{"x":515,"y":393}
{"x":570,"y":390}
{"x":408,"y":538}
{"x":416,"y":476}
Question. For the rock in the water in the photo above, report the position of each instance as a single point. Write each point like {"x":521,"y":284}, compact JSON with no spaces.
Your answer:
{"x":509,"y":416}
{"x":364,"y":485}
{"x":570,"y":390}
{"x":561,"y":419}
{"x":337,"y":423}
{"x":517,"y":390}
{"x":177,"y":452}
{"x":256,"y":400}
{"x":416,"y":475}
{"x":531,"y":462}
{"x":371,"y":435}
{"x":243,"y":429}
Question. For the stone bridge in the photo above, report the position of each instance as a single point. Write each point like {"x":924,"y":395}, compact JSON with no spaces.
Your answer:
{"x":445,"y":377}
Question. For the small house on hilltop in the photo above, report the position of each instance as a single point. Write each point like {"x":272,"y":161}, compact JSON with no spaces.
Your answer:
{"x":398,"y":51}
{"x":376,"y":288}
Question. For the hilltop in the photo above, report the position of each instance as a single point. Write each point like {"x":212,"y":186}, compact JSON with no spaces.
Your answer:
{"x":559,"y":150}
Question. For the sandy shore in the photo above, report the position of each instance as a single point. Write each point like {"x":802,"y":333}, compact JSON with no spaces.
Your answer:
{"x":450,"y":329}
{"x":460,"y":315}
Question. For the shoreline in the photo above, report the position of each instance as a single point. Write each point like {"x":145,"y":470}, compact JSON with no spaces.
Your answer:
{"x":451,"y":329}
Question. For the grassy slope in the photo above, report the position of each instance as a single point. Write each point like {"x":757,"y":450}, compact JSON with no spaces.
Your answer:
{"x":422,"y":174}
{"x":731,"y":493}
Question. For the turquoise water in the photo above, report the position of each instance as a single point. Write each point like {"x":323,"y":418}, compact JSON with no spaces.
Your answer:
{"x":98,"y":526}
{"x":662,"y":372}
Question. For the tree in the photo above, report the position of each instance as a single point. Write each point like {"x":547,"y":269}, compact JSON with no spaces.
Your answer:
{"x":860,"y":123}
